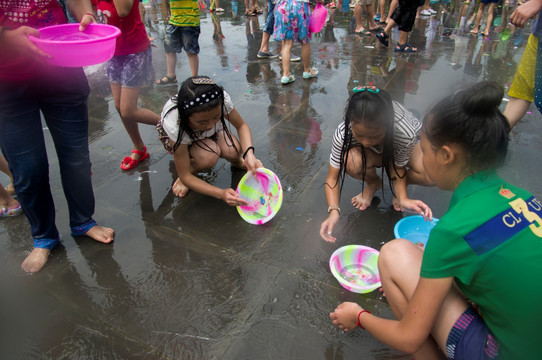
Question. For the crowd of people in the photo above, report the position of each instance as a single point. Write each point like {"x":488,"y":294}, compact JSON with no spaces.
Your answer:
{"x":458,"y":147}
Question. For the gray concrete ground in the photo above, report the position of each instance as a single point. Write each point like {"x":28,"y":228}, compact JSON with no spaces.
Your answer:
{"x":188,"y":278}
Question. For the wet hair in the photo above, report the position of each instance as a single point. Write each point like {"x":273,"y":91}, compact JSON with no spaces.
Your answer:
{"x":374,"y":110}
{"x":472,"y":119}
{"x":190,"y":100}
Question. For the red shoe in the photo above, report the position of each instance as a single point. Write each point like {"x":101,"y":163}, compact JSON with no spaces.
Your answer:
{"x":128,"y":163}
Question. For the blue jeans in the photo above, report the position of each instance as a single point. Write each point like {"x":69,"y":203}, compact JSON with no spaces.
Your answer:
{"x":61,"y":95}
{"x":270,"y":20}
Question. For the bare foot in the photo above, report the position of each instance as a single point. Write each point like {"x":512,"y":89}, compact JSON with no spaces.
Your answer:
{"x":363,"y":200}
{"x":179,"y":189}
{"x":485,"y":32}
{"x":36,"y":260}
{"x":102,"y":234}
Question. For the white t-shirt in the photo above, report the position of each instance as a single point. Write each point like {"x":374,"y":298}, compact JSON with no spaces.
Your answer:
{"x":170,"y":122}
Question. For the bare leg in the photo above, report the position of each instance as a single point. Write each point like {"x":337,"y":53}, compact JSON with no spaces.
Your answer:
{"x":229,"y":152}
{"x":359,"y":21}
{"x":286,"y":54}
{"x":489,"y":19}
{"x":369,"y":11}
{"x":131,"y":115}
{"x":200,"y":159}
{"x":478,"y":19}
{"x":193,"y":60}
{"x":171,"y":63}
{"x":399,"y":265}
{"x":515,"y":110}
{"x":306,"y":56}
{"x":373,"y":182}
{"x":264,"y":46}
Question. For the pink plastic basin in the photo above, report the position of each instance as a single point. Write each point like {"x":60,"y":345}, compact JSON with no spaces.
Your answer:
{"x":70,"y":47}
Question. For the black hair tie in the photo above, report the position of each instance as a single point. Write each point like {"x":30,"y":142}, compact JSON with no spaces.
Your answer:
{"x":246,"y":151}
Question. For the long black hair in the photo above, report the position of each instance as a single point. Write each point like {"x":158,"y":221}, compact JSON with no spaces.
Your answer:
{"x":372,"y":108}
{"x":472,"y":119}
{"x":195,"y":96}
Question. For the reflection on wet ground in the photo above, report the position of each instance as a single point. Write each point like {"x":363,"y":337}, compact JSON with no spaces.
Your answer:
{"x":188,"y":279}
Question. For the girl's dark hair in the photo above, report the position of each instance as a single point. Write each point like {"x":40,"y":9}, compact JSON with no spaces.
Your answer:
{"x":191,"y":89}
{"x":375,"y":110}
{"x":472,"y":119}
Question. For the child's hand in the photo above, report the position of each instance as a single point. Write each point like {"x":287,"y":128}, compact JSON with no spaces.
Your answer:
{"x":17,"y":42}
{"x":230,"y":197}
{"x":86,"y":20}
{"x":418,"y":207}
{"x":524,"y":12}
{"x":252,"y":163}
{"x":327,"y":227}
{"x":345,"y":316}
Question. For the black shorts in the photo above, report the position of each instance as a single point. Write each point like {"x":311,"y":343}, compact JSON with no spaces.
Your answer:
{"x":405,"y":14}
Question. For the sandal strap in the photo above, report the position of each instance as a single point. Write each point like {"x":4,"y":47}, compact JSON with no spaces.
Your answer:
{"x":140,"y":153}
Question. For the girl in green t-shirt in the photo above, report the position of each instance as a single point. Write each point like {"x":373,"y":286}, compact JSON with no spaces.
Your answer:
{"x":489,"y":238}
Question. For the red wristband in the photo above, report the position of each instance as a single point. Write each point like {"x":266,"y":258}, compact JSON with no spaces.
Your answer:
{"x":90,"y":14}
{"x":361,"y":312}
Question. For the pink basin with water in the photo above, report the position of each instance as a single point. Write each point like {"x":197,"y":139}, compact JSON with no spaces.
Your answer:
{"x":70,"y":47}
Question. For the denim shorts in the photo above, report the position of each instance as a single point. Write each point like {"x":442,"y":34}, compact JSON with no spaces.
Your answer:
{"x":182,"y":37}
{"x":132,"y":71}
{"x":471,"y":339}
{"x":270,"y":20}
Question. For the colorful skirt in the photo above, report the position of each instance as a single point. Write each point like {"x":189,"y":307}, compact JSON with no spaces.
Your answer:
{"x":292,"y":21}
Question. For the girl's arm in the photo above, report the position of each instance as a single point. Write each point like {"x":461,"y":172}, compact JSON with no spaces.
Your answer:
{"x":123,"y":7}
{"x":400,"y":189}
{"x":182,"y":164}
{"x":82,"y":11}
{"x":332,"y":187}
{"x":245,"y":138}
{"x":409,"y":333}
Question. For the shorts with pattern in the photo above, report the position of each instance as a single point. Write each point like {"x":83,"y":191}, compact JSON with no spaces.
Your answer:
{"x":292,"y":21}
{"x":471,"y":339}
{"x":182,"y":37}
{"x":523,"y":84}
{"x":132,"y":70}
{"x":364,"y":2}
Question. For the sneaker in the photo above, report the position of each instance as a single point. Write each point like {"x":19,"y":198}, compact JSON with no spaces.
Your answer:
{"x":293,"y":58}
{"x":432,"y":11}
{"x":425,"y":12}
{"x":266,"y":55}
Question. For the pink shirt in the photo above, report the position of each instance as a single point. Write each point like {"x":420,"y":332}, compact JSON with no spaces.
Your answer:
{"x":36,"y":14}
{"x":133,"y":38}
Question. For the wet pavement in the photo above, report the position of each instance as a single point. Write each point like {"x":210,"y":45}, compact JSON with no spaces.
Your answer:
{"x":188,"y":278}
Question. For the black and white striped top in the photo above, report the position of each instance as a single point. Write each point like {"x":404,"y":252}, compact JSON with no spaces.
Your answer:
{"x":406,"y":134}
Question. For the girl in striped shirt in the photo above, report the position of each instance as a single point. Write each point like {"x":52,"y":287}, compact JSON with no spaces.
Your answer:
{"x":377,"y":132}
